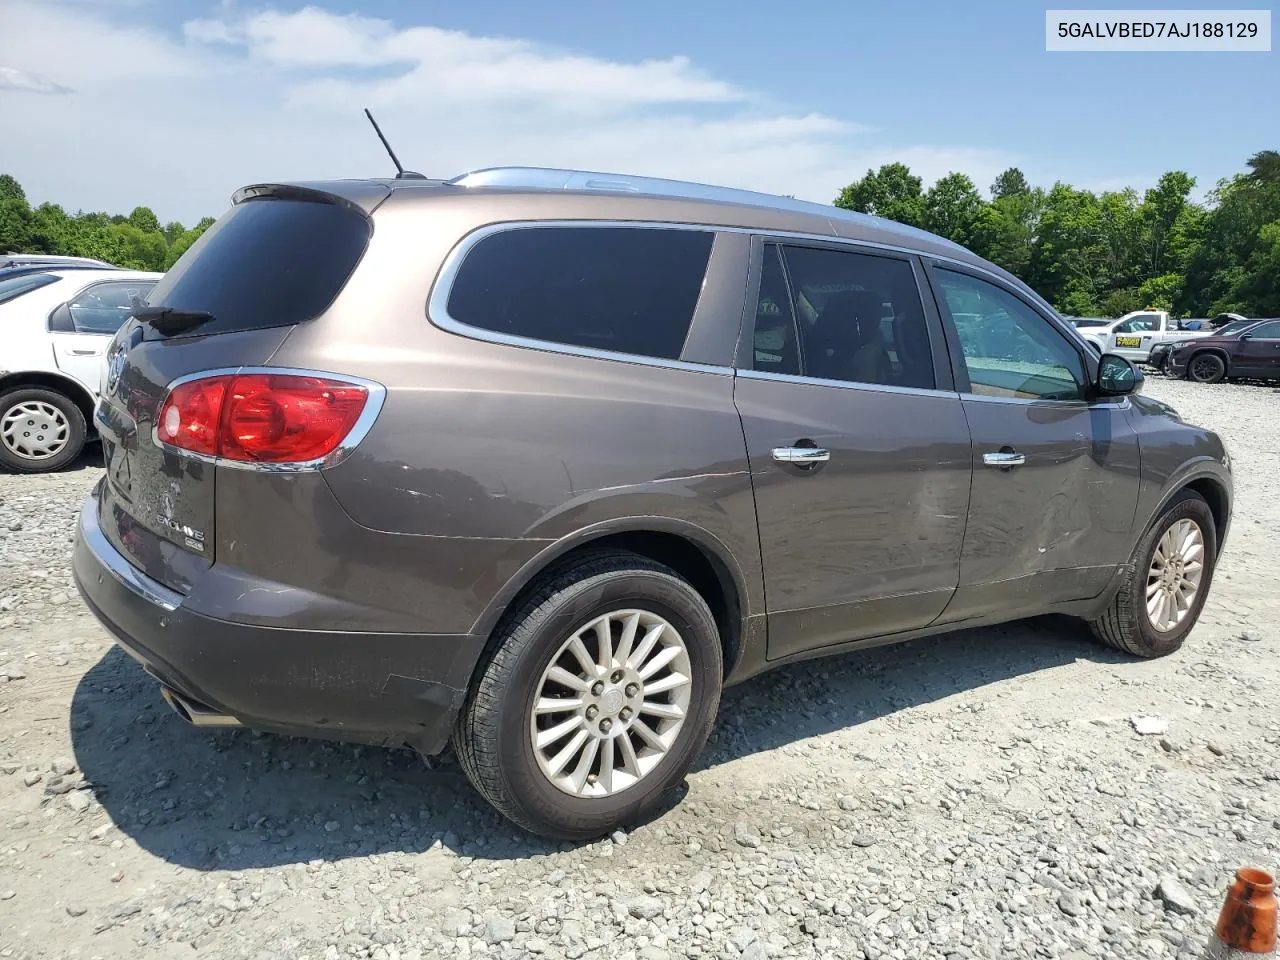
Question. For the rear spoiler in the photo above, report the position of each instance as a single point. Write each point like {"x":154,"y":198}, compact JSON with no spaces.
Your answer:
{"x":363,"y":196}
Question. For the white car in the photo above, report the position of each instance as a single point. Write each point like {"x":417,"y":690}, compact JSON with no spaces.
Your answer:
{"x":57,"y":325}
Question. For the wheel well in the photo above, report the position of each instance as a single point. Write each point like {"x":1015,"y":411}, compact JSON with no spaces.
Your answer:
{"x":705,"y":572}
{"x":1216,"y":351}
{"x":51,"y":381}
{"x":1216,"y":497}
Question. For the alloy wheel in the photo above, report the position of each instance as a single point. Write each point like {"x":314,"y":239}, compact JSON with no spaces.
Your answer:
{"x":1173,"y":579}
{"x":611,"y":703}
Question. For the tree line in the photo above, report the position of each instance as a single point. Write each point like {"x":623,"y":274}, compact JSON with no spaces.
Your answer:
{"x":1106,"y":254}
{"x":1089,"y":254}
{"x":136,"y":241}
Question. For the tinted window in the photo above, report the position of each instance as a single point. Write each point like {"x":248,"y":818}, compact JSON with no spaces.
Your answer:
{"x":266,"y":263}
{"x":1267,"y":331}
{"x":103,"y":307}
{"x":622,"y":289}
{"x":1009,"y":349}
{"x":841,"y":316}
{"x":14,"y":287}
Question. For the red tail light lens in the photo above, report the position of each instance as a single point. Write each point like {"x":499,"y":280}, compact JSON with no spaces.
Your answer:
{"x":189,"y":415}
{"x":261,"y":417}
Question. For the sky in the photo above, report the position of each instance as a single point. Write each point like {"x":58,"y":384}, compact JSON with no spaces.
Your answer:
{"x":107,"y":104}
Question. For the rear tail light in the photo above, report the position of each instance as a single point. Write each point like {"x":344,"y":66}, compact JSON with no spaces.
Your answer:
{"x":276,"y":418}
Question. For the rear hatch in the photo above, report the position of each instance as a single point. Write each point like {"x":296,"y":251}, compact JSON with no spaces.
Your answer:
{"x":278,"y":258}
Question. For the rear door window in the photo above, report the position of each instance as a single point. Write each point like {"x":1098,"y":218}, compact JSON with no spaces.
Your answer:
{"x":838,"y":315}
{"x":628,"y":290}
{"x":104,"y":307}
{"x":269,"y":262}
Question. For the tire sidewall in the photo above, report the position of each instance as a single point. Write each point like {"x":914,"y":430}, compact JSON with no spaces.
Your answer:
{"x":541,"y":801}
{"x":75,"y":427}
{"x":1189,"y":507}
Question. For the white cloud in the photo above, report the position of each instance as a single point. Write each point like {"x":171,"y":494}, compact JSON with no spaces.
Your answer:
{"x":180,"y":120}
{"x":12,"y":79}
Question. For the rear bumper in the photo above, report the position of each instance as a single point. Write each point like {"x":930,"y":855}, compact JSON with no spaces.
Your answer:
{"x":367,"y":687}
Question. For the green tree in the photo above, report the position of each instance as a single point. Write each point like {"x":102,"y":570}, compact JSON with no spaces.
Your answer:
{"x":144,"y":220}
{"x":952,"y":208}
{"x":1264,"y":166}
{"x":11,"y":189}
{"x":892,"y":192}
{"x":1010,"y":183}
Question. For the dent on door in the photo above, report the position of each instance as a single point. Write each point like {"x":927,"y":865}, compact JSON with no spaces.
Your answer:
{"x":1053,"y":527}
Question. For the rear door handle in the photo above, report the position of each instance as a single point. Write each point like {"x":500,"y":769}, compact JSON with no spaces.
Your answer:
{"x":1004,"y":459}
{"x":76,"y":352}
{"x":801,"y":455}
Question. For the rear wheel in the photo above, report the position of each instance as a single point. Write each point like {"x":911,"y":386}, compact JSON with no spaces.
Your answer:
{"x":1167,"y":583}
{"x":599,"y":694}
{"x":40,"y":430}
{"x":1206,"y":368}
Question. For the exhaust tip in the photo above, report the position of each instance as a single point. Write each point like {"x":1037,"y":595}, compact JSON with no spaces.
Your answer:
{"x":194,"y":712}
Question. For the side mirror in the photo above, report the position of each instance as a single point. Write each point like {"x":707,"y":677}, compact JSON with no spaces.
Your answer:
{"x":60,"y":319}
{"x":1117,"y":377}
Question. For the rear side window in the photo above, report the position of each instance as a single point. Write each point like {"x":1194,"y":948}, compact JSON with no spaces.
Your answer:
{"x":622,"y":289}
{"x":269,"y":262}
{"x":15,"y":287}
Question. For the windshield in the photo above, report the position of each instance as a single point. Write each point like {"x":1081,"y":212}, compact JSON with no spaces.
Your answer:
{"x":1235,"y":326}
{"x":14,"y":287}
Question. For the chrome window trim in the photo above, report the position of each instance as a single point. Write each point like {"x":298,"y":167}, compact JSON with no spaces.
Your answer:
{"x":438,"y":300}
{"x":846,"y":384}
{"x":119,"y":567}
{"x":364,"y":423}
{"x":1118,"y":403}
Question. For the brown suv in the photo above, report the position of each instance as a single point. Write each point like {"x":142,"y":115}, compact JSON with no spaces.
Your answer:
{"x":538,"y":461}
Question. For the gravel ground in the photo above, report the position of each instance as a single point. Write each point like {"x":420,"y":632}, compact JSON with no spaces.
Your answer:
{"x":982,"y":794}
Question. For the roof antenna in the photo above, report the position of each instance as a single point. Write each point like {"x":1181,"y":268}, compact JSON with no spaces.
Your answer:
{"x":401,"y":172}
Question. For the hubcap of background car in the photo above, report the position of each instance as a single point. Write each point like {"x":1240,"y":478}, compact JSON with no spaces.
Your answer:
{"x":1174,"y":578}
{"x":34,"y":430}
{"x":611,"y":704}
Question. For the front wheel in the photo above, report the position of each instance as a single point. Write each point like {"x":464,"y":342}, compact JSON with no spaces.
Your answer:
{"x":1206,"y":368}
{"x":40,"y":430}
{"x":599,"y":694}
{"x":1167,"y":583}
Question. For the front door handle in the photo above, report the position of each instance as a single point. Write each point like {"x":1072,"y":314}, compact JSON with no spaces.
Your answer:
{"x":79,"y":352}
{"x":801,"y":456}
{"x":1004,"y":459}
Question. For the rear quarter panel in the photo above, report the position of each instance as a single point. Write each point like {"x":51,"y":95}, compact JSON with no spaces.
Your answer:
{"x":487,"y":456}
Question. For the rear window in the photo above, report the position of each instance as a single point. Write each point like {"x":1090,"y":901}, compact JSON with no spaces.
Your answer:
{"x":14,"y":287}
{"x":269,"y":262}
{"x":621,"y":289}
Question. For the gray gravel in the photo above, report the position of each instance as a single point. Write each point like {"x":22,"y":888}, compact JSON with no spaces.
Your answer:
{"x":983,"y":794}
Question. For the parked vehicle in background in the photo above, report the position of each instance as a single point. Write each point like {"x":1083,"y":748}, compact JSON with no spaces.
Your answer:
{"x":48,"y":260}
{"x":1082,"y":322}
{"x":1243,"y":348}
{"x":537,"y":461}
{"x":1134,"y":334}
{"x":57,"y":324}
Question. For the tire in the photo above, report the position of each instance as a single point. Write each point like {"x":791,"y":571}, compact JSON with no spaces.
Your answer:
{"x":1126,"y":625}
{"x":23,"y":447}
{"x":1206,"y":368}
{"x":494,"y":735}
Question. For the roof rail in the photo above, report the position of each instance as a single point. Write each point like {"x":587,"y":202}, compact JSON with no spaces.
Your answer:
{"x":552,"y":178}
